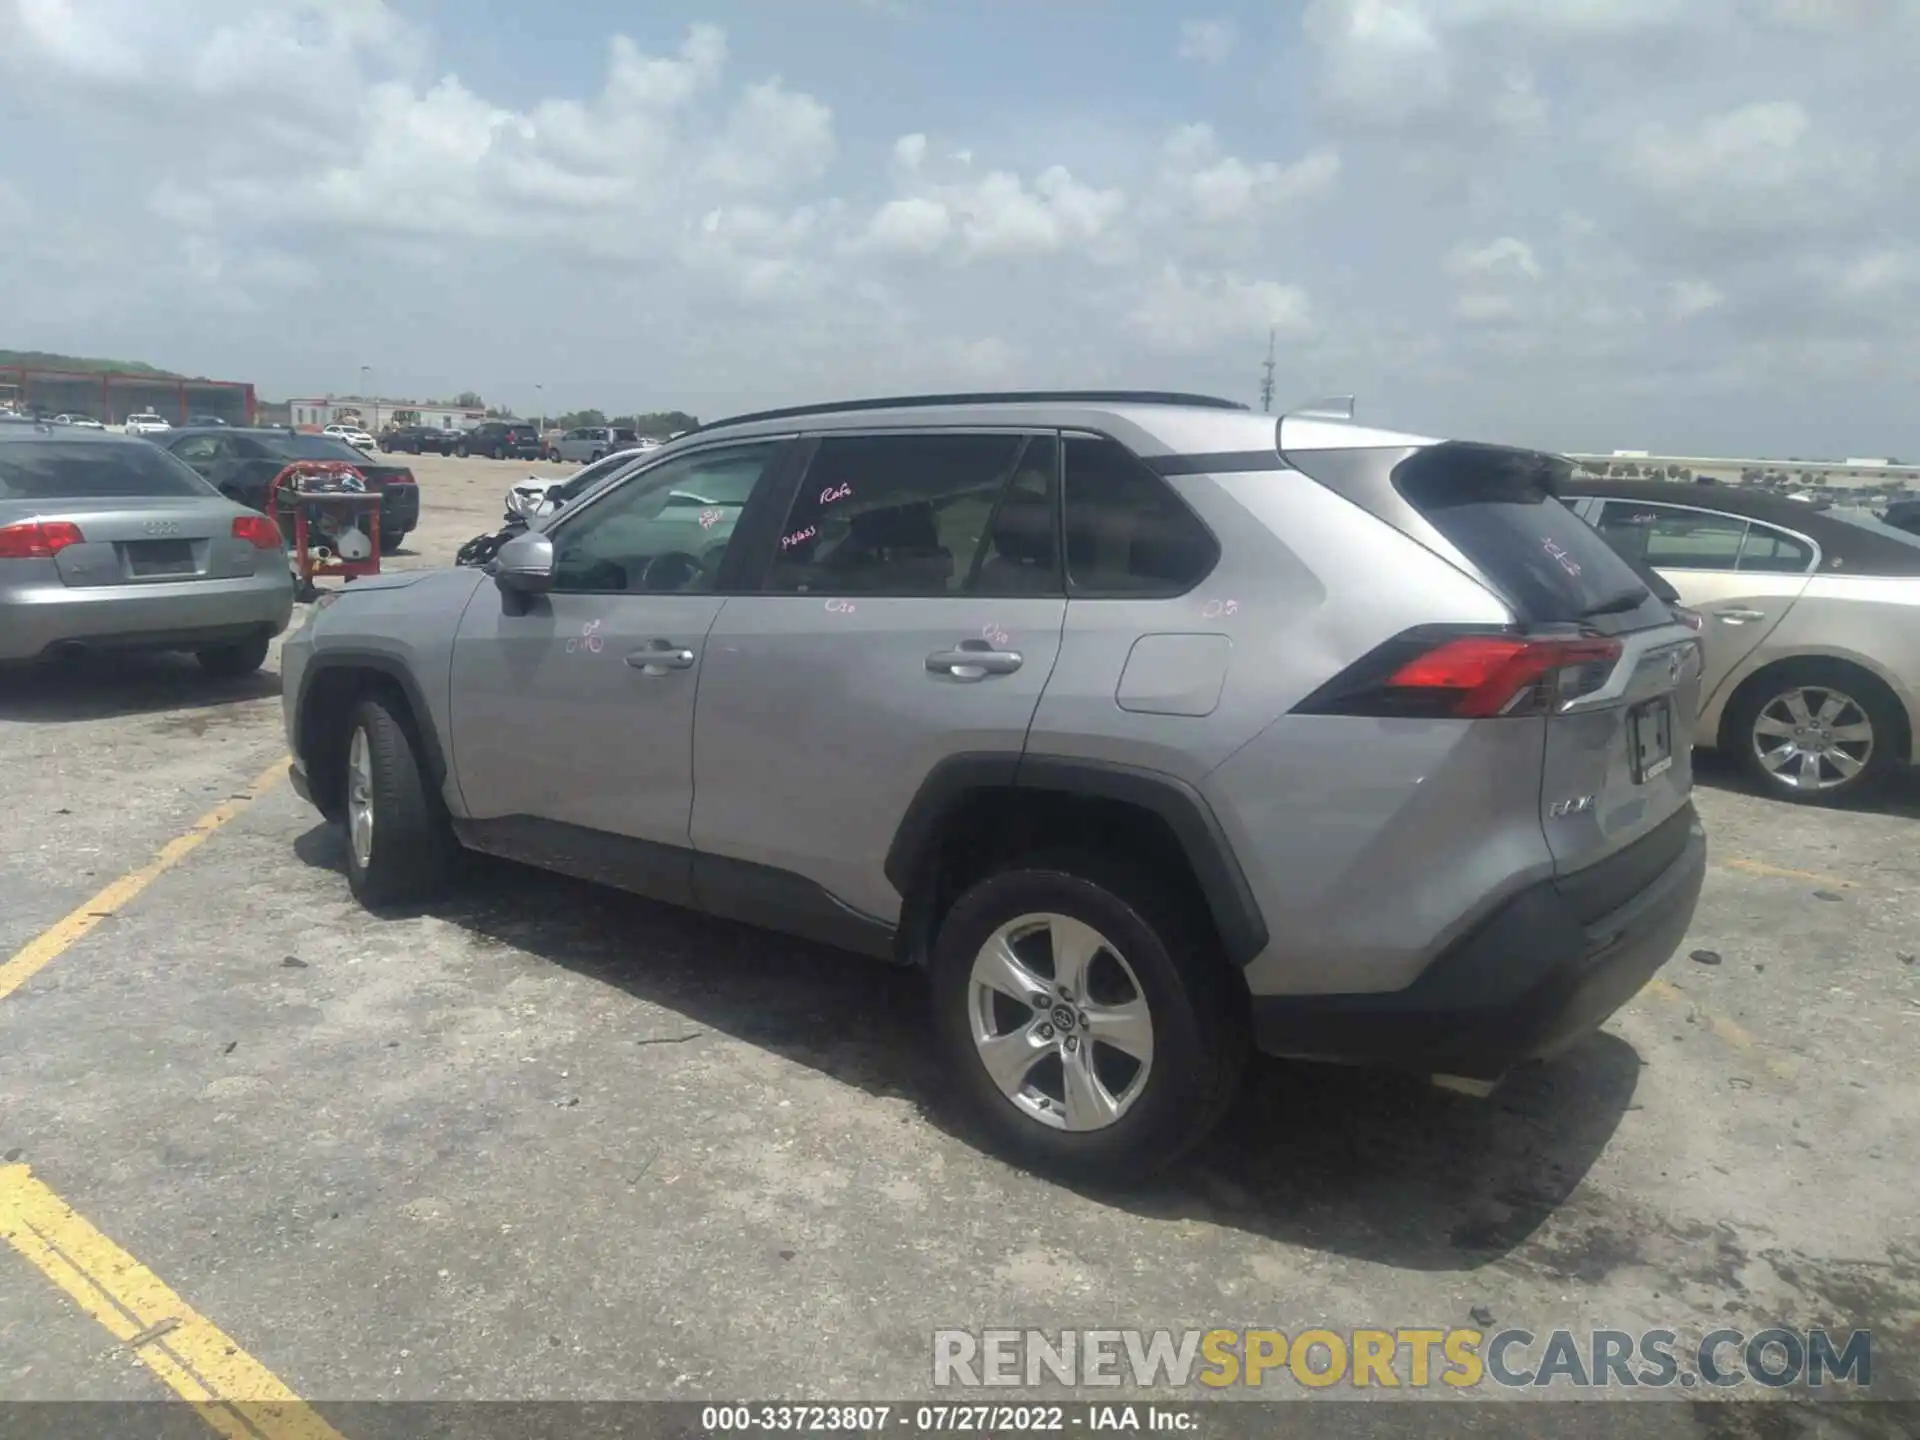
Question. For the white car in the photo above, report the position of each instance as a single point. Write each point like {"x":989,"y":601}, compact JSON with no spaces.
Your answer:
{"x":353,"y":435}
{"x":145,"y":423}
{"x":81,"y":422}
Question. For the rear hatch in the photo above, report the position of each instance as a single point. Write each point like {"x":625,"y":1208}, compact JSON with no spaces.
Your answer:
{"x":117,"y":514}
{"x":1599,"y":658}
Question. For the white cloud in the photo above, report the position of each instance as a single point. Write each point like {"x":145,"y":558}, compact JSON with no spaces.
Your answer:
{"x":1179,"y":311}
{"x":995,"y":215}
{"x":1506,"y":256}
{"x":1756,"y":147}
{"x":1212,"y":187}
{"x":1207,"y":42}
{"x":1384,"y":60}
{"x":1689,"y":298}
{"x":1880,"y":274}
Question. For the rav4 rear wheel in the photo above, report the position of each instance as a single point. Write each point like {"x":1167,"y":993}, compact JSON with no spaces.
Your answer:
{"x":1094,"y":1031}
{"x":399,"y":843}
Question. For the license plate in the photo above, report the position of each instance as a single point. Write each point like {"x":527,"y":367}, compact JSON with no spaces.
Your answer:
{"x":1650,"y":740}
{"x":160,"y":557}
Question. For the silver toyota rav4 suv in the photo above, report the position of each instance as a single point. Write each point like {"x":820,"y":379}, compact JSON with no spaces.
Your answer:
{"x":1149,"y":726}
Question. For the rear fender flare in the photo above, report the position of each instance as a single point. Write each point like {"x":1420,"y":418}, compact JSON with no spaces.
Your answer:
{"x":1223,"y":885}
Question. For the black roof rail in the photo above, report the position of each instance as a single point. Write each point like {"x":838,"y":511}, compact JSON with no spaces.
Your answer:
{"x":987,"y":397}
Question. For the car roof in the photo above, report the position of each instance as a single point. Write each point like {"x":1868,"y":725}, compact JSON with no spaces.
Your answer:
{"x":41,"y":430}
{"x":1845,"y":548}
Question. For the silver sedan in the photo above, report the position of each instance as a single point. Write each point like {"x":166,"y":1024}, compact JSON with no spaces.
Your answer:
{"x":108,"y":543}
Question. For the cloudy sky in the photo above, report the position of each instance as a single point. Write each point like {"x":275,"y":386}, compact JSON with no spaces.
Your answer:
{"x":1670,"y":224}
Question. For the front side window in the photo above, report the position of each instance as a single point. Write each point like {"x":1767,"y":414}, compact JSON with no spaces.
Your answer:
{"x":1127,"y":533}
{"x":649,"y":536}
{"x":1673,"y":539}
{"x":899,"y":515}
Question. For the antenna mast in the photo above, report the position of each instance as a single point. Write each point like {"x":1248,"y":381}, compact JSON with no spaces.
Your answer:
{"x":1266,"y":381}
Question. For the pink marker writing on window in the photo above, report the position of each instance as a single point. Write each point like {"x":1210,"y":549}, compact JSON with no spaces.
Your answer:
{"x":835,"y":492}
{"x":787,"y":542}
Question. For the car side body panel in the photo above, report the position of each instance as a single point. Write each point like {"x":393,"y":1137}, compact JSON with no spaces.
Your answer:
{"x":1865,"y":620}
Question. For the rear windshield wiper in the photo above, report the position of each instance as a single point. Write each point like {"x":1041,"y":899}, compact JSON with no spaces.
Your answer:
{"x":1617,"y":604}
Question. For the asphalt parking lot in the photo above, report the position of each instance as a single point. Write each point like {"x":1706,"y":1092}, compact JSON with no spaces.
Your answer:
{"x":550,"y":1142}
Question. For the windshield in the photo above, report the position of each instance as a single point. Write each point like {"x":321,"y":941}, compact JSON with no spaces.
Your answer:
{"x":52,"y":470}
{"x":312,"y":447}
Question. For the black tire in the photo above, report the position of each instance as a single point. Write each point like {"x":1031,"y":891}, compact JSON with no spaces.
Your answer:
{"x":461,"y":451}
{"x":390,"y":540}
{"x":412,"y":845}
{"x":596,"y":457}
{"x":553,"y":457}
{"x":499,"y":452}
{"x":230,"y":662}
{"x":1197,"y":1007}
{"x":1865,"y":697}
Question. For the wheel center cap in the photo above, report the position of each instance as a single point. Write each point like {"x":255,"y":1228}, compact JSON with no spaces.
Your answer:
{"x":1064,"y":1020}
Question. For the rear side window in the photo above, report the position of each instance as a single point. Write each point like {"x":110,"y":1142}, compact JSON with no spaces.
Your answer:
{"x":54,"y":471}
{"x":899,"y":515}
{"x":1127,"y":533}
{"x":1495,"y":506}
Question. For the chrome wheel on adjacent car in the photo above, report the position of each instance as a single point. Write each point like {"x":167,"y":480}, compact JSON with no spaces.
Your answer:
{"x":360,"y":798}
{"x":1060,"y":1022}
{"x":1813,"y":738}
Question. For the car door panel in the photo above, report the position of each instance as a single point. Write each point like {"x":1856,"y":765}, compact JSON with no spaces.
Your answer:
{"x":872,"y":654}
{"x":573,"y":711}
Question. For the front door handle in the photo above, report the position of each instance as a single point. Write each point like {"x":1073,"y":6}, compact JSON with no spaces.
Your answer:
{"x":657,"y":657}
{"x":973,"y":660}
{"x":1738,"y":616}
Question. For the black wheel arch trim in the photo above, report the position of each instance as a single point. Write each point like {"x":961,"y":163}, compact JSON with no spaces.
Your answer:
{"x":1223,"y":884}
{"x":388,"y":668}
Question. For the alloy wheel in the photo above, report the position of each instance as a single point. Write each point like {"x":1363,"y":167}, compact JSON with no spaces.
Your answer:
{"x":1813,"y":738}
{"x":360,"y":798}
{"x":1060,"y":1022}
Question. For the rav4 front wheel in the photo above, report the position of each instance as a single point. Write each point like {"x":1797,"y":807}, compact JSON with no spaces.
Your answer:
{"x":399,"y":842}
{"x":1094,"y":1031}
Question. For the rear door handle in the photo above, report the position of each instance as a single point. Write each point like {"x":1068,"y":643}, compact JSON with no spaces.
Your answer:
{"x":1738,"y":616}
{"x":657,"y":657}
{"x":973,"y":660}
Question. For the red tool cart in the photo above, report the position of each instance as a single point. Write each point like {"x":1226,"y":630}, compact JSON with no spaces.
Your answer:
{"x":331,"y":518}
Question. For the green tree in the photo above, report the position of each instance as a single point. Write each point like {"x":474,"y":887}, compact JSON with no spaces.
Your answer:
{"x":662,"y":423}
{"x":469,"y":400}
{"x":575,"y":419}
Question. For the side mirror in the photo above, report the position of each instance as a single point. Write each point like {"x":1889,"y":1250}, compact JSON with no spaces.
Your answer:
{"x":524,"y":565}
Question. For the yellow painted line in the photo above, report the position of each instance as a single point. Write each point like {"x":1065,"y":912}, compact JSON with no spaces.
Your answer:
{"x":1728,"y":1030}
{"x":51,"y":943}
{"x":230,"y":1390}
{"x":1780,"y":872}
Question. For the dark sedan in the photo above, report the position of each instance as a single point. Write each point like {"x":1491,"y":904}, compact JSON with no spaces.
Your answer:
{"x":419,"y":440}
{"x":242,"y":463}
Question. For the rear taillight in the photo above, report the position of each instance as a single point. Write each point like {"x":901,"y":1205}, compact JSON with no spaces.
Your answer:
{"x":1468,"y":676}
{"x":400,"y":477}
{"x":257,"y":530}
{"x":38,"y":539}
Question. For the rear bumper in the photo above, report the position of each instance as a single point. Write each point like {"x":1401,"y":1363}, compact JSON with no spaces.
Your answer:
{"x":187,"y":615}
{"x":1528,"y":982}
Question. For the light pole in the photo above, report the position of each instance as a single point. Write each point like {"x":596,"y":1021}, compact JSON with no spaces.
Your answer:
{"x":365,"y":370}
{"x":540,"y":400}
